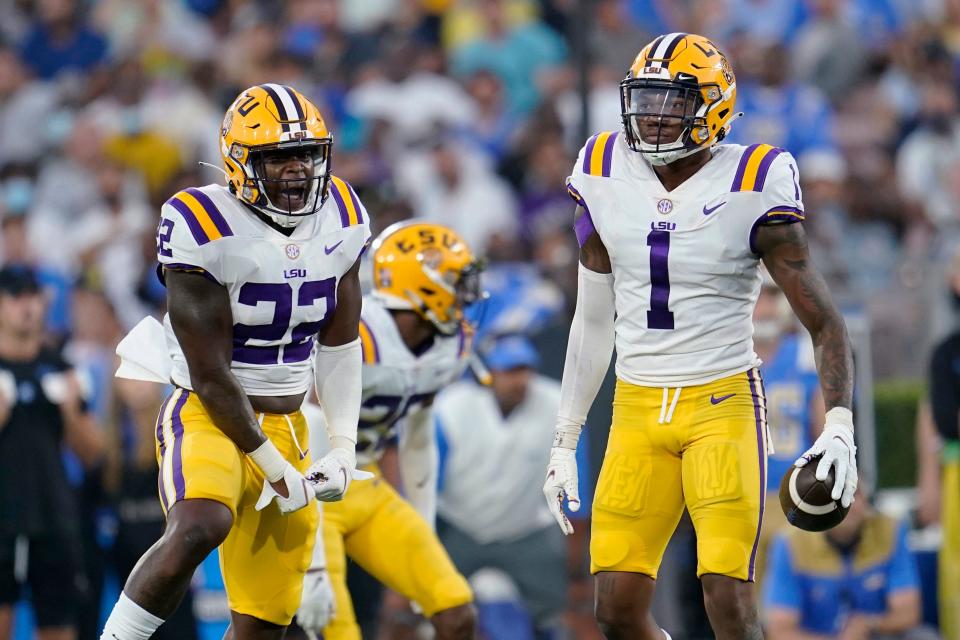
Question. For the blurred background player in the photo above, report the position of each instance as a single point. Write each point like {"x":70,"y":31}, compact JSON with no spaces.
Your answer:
{"x":42,"y":408}
{"x":857,"y":581}
{"x":794,"y":401}
{"x":689,"y":421}
{"x":254,"y":271}
{"x":415,"y":342}
{"x":492,"y":520}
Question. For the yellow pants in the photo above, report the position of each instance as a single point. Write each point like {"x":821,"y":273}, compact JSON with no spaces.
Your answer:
{"x":949,"y":564}
{"x":266,"y":554}
{"x":382,"y":533}
{"x":705,"y":449}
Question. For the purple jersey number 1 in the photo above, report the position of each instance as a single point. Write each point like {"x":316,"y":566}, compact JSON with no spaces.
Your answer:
{"x":659,"y":315}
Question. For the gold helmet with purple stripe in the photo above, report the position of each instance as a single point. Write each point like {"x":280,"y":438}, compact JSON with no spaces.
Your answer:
{"x":276,"y":151}
{"x":677,"y":98}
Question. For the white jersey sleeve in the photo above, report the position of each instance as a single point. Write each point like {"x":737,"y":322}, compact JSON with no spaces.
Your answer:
{"x":190,"y":224}
{"x":781,"y":201}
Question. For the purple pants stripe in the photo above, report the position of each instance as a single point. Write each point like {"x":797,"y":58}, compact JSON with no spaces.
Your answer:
{"x":192,"y":223}
{"x":756,"y":392}
{"x":764,"y":167}
{"x":178,"y":481}
{"x":218,"y":220}
{"x":742,"y":167}
{"x":160,"y":486}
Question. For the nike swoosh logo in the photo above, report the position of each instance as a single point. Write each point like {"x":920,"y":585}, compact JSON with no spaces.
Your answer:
{"x":304,"y":454}
{"x":715,"y":400}
{"x":708,"y":211}
{"x":329,"y":250}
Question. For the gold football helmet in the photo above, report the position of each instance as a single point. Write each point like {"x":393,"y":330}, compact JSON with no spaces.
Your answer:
{"x":678,"y":79}
{"x":426,"y":268}
{"x":271,"y":120}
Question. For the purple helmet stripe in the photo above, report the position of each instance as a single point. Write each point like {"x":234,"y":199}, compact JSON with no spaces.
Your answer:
{"x":178,"y":480}
{"x":608,"y":155}
{"x":764,"y":167}
{"x":757,"y":395}
{"x":192,"y":223}
{"x":296,"y":103}
{"x":588,"y":152}
{"x":742,"y":167}
{"x":673,"y":46}
{"x":342,"y":206}
{"x":218,"y":220}
{"x":653,"y":47}
{"x":281,"y":112}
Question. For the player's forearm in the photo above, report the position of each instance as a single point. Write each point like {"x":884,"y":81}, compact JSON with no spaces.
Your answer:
{"x":589,"y":347}
{"x":227,"y":404}
{"x":903,"y":613}
{"x":834,"y":355}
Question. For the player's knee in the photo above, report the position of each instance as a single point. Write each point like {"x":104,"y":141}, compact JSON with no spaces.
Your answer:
{"x":456,"y":623}
{"x":615,"y":618}
{"x":195,"y":534}
{"x":730,"y":603}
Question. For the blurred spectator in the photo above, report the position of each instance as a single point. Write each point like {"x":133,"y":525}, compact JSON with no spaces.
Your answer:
{"x":857,"y":581}
{"x":515,"y":53}
{"x":944,"y":382}
{"x":61,"y":40}
{"x":614,"y":40}
{"x":795,"y":409}
{"x":42,"y":408}
{"x":491,"y":519}
{"x":776,"y":109}
{"x":452,"y":185}
{"x":828,"y":53}
{"x":494,"y":126}
{"x":24,"y":103}
{"x":928,"y":162}
{"x":764,"y":22}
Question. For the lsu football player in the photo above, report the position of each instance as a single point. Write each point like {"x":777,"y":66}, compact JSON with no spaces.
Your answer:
{"x":672,"y":227}
{"x":415,"y":342}
{"x":257,"y":272}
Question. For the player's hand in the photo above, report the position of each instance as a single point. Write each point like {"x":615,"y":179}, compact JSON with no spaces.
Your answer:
{"x":562,"y":481}
{"x":318,"y":604}
{"x":838,"y":450}
{"x":298,"y":491}
{"x":330,"y":476}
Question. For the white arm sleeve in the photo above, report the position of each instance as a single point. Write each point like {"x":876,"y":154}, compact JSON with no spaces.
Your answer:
{"x":319,"y":559}
{"x":419,"y":464}
{"x":337,"y":375}
{"x":589,"y":349}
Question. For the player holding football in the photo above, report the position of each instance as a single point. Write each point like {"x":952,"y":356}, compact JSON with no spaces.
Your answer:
{"x":255,"y":271}
{"x":671,"y":228}
{"x":415,"y":342}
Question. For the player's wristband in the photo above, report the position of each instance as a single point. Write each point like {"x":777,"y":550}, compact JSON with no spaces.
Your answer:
{"x":567,"y":434}
{"x":267,"y":457}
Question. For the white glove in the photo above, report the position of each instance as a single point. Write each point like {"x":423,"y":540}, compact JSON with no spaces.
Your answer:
{"x":330,"y":476}
{"x":299,"y":492}
{"x":562,"y":480}
{"x":839,"y":451}
{"x":318,"y":604}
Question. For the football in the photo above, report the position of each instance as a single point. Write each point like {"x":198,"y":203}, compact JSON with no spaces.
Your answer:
{"x":806,"y":501}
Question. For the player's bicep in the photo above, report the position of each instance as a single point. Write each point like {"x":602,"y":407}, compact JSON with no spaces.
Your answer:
{"x":787,"y":257}
{"x":202,"y":321}
{"x":344,"y":324}
{"x":593,"y":253}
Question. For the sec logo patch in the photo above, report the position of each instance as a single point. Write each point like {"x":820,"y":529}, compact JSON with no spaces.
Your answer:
{"x":664,"y":206}
{"x":293,"y":251}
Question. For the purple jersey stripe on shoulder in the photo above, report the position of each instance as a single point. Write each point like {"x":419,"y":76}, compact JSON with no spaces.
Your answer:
{"x":356,"y":202}
{"x":758,"y":397}
{"x":608,"y":155}
{"x":588,"y":153}
{"x":192,"y":223}
{"x":742,"y":167}
{"x":218,"y":220}
{"x":764,"y":167}
{"x":178,"y":480}
{"x":341,"y":205}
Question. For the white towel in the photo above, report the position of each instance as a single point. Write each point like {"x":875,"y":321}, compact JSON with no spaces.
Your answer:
{"x":143,"y":353}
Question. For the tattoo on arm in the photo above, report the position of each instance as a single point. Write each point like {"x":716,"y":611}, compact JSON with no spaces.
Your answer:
{"x":786,"y":256}
{"x":593,"y":255}
{"x":203,"y":323}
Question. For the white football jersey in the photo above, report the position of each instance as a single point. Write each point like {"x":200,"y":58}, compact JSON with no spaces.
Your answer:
{"x":685,"y":267}
{"x":397,"y":382}
{"x":282,"y":288}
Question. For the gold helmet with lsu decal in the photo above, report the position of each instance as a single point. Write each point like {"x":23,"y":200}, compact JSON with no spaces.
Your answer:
{"x":426,"y":268}
{"x":677,"y":98}
{"x":276,"y":151}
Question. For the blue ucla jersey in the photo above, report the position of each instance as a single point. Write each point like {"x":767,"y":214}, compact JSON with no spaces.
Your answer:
{"x":790,"y":381}
{"x":282,"y":288}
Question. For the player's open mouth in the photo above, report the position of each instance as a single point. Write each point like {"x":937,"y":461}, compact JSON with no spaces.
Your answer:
{"x":293,"y":198}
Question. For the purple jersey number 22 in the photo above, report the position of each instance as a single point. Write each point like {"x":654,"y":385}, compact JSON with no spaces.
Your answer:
{"x":659,"y":315}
